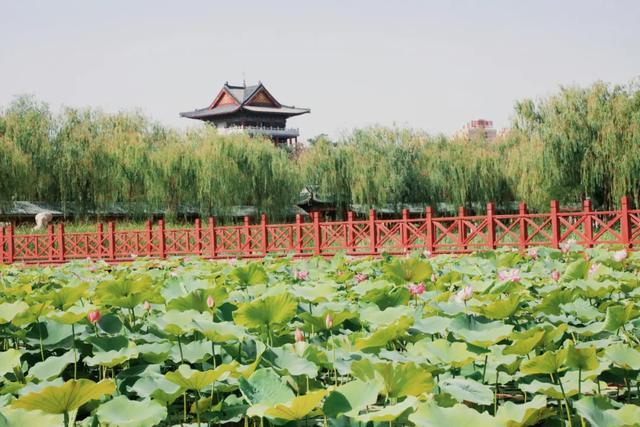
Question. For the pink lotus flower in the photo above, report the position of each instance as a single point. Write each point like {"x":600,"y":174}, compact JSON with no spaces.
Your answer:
{"x":593,"y":269}
{"x":555,"y":275}
{"x":302,"y":275}
{"x":427,"y":253}
{"x":146,"y":305}
{"x":299,"y":335}
{"x":620,"y":256}
{"x":416,"y":290}
{"x":211,"y":302}
{"x":94,"y":316}
{"x":361,"y":277}
{"x":134,"y":256}
{"x":512,"y":275}
{"x":233,"y":261}
{"x":533,"y":253}
{"x":328,"y":321}
{"x":566,"y":246}
{"x":173,"y":274}
{"x":464,"y":294}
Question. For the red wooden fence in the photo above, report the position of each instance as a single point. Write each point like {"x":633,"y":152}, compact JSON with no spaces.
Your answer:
{"x":458,"y":234}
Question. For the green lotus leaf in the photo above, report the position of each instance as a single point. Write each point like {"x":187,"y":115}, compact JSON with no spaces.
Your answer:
{"x":191,"y":379}
{"x":383,"y":335}
{"x":176,"y":322}
{"x":112,"y":358}
{"x":623,"y":356}
{"x":554,"y":391}
{"x":618,"y":316}
{"x":220,"y":331}
{"x":154,"y":385}
{"x":127,"y":293}
{"x":387,"y":297}
{"x":442,"y":351}
{"x":71,"y":315}
{"x":375,"y":317}
{"x":110,"y":323}
{"x":123,"y":412}
{"x":315,"y":324}
{"x":526,"y":344}
{"x":600,"y":412}
{"x":478,"y":332}
{"x":156,"y":352}
{"x":288,"y":361}
{"x":584,"y":358}
{"x":8,"y":311}
{"x":413,"y":270}
{"x":396,"y":380}
{"x":67,"y":397}
{"x":349,"y":399}
{"x":500,"y":309}
{"x":552,"y":302}
{"x":8,"y":360}
{"x":264,"y":389}
{"x":298,"y":408}
{"x":576,"y":270}
{"x":315,"y":293}
{"x":197,"y":299}
{"x":465,"y":389}
{"x":266,"y":312}
{"x":11,"y":417}
{"x":67,"y":296}
{"x":432,"y":325}
{"x":390,"y":412}
{"x":582,"y":309}
{"x":251,"y":274}
{"x":429,"y":414}
{"x":547,"y":363}
{"x":526,"y":414}
{"x":52,"y":366}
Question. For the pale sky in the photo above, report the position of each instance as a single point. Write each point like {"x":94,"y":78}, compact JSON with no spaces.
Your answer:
{"x":430,"y":65}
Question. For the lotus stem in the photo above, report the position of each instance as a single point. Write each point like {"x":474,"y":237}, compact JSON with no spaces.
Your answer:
{"x":566,"y":401}
{"x":484,"y":370}
{"x":579,"y":382}
{"x":66,"y":419}
{"x":495,"y":395}
{"x":75,"y":353}
{"x":180,"y":347}
{"x":40,"y":335}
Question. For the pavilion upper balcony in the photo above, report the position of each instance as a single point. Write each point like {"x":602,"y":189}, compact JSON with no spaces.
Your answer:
{"x":262,"y":130}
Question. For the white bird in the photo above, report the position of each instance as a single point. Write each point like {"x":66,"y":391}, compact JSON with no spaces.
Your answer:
{"x":42,"y":220}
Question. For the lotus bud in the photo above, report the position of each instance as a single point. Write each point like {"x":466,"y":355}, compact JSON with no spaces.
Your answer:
{"x":211,"y":302}
{"x":533,"y":253}
{"x":328,"y":321}
{"x":416,"y":290}
{"x":299,"y":335}
{"x":361,"y":277}
{"x":146,"y":305}
{"x":620,"y":256}
{"x":464,"y":294}
{"x":555,"y":275}
{"x":302,"y":275}
{"x":94,"y":316}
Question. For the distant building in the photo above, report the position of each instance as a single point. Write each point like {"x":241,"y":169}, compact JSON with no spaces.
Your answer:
{"x":478,"y":129}
{"x":250,"y":109}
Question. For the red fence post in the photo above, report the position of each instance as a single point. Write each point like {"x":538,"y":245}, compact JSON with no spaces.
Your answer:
{"x":317,"y":236}
{"x":10,"y":244}
{"x":100,"y":237}
{"x":462,"y":229}
{"x":625,"y":229}
{"x":588,"y":223}
{"x":111,"y":237}
{"x":350,"y":239}
{"x":247,"y":236}
{"x":198,"y":231}
{"x":491,"y":227}
{"x":404,"y":235}
{"x":555,"y":225}
{"x":51,"y":246}
{"x":61,"y":248}
{"x":429,"y":229}
{"x":298,"y":230}
{"x":265,"y":234}
{"x":524,"y":230}
{"x":162,"y":249}
{"x":212,"y":237}
{"x":373,"y":234}
{"x":148,"y":228}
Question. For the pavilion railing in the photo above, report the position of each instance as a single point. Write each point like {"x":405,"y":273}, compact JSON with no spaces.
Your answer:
{"x":453,"y":234}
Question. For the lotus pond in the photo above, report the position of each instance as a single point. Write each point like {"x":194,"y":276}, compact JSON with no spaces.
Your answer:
{"x":491,"y":339}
